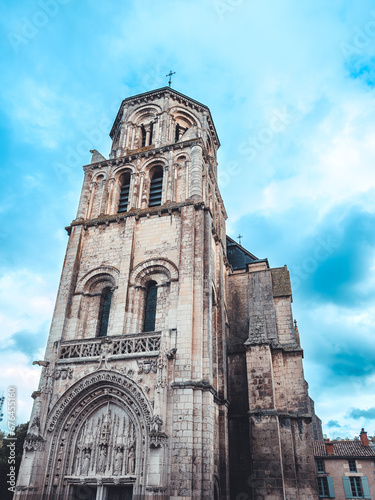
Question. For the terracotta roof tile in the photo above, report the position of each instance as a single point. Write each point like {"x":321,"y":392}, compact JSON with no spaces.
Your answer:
{"x":343,"y":449}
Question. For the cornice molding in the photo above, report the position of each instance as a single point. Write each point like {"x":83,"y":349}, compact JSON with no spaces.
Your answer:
{"x":165,"y":209}
{"x":144,"y":153}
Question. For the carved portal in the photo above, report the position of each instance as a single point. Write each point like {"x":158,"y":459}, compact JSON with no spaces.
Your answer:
{"x":106,"y":444}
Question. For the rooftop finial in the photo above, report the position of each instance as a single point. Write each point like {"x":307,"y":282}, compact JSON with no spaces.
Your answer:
{"x":170,"y":76}
{"x":239,"y":238}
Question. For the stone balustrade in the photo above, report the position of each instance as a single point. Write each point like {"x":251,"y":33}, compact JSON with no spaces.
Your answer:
{"x":116,"y":346}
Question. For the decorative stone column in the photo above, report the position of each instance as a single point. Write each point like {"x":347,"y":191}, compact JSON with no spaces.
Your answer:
{"x":92,"y":195}
{"x":111,"y":190}
{"x":165,"y":193}
{"x":195,"y":180}
{"x":132,"y":191}
{"x":148,"y":134}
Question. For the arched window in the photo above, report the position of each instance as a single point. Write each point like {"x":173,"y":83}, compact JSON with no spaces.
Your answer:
{"x":143,"y":130}
{"x":156,"y":188}
{"x":150,"y":307}
{"x":124,"y":193}
{"x":104,"y":309}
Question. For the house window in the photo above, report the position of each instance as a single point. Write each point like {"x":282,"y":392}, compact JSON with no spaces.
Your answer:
{"x":124,"y":193}
{"x":150,"y":307}
{"x":320,"y":469}
{"x":352,"y":465}
{"x":325,"y":487}
{"x":104,"y":309}
{"x":156,"y":188}
{"x":356,"y":487}
{"x":143,"y":131}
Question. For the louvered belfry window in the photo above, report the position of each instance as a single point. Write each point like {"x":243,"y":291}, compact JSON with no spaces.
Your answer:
{"x":156,"y":188}
{"x":124,"y":193}
{"x":150,"y":307}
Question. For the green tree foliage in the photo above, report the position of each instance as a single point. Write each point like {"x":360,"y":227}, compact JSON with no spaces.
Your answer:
{"x":20,"y":434}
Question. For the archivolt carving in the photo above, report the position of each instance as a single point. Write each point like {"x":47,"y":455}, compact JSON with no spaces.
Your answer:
{"x":181,"y":157}
{"x":153,"y":266}
{"x":99,"y":428}
{"x":143,"y":113}
{"x":127,"y":167}
{"x":185,"y":117}
{"x":103,"y":272}
{"x":149,"y":164}
{"x":74,"y":395}
{"x":99,"y":176}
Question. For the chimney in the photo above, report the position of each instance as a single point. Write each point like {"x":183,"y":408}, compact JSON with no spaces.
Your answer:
{"x":329,"y":447}
{"x":363,"y":437}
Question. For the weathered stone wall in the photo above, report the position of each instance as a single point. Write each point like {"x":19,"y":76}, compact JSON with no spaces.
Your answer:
{"x":277,"y":407}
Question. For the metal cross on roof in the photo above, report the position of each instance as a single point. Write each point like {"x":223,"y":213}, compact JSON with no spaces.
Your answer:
{"x":170,"y":76}
{"x":239,"y":238}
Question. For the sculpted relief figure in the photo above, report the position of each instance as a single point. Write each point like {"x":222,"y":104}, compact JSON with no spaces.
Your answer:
{"x":104,"y":356}
{"x":118,"y":462}
{"x":86,"y":463}
{"x":156,"y":424}
{"x":131,"y":461}
{"x":106,"y":444}
{"x":102,"y":460}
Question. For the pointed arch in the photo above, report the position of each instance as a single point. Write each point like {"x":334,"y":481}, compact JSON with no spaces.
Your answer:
{"x":76,"y":431}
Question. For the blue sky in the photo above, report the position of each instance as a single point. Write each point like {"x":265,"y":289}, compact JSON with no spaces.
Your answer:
{"x":290,"y":86}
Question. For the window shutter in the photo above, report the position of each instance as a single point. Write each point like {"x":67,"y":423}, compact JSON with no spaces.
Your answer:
{"x":124,"y":195}
{"x":365,"y":487}
{"x":331,"y":488}
{"x":347,"y":487}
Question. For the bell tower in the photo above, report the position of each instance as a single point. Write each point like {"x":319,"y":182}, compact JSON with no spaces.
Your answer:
{"x":173,"y":369}
{"x":132,"y":401}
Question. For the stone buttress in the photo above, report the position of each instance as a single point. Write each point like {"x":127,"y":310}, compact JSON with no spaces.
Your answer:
{"x":270,"y":419}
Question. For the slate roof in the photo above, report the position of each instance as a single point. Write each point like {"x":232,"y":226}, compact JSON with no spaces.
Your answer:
{"x":238,"y":256}
{"x":345,"y":449}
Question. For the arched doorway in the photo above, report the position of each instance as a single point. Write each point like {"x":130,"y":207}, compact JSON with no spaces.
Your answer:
{"x":99,"y":440}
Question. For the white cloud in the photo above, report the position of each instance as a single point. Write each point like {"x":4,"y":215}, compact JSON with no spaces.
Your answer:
{"x":26,"y":301}
{"x":17,"y":371}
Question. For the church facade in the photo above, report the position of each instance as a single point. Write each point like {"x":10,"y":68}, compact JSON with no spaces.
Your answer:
{"x":173,"y":368}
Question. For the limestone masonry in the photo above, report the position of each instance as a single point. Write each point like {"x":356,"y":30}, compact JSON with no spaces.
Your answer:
{"x":173,"y":369}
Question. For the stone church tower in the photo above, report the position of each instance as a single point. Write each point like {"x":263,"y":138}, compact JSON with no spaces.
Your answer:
{"x":173,"y":369}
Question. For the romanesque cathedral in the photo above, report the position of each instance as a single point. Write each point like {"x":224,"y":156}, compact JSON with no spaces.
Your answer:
{"x":173,"y":368}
